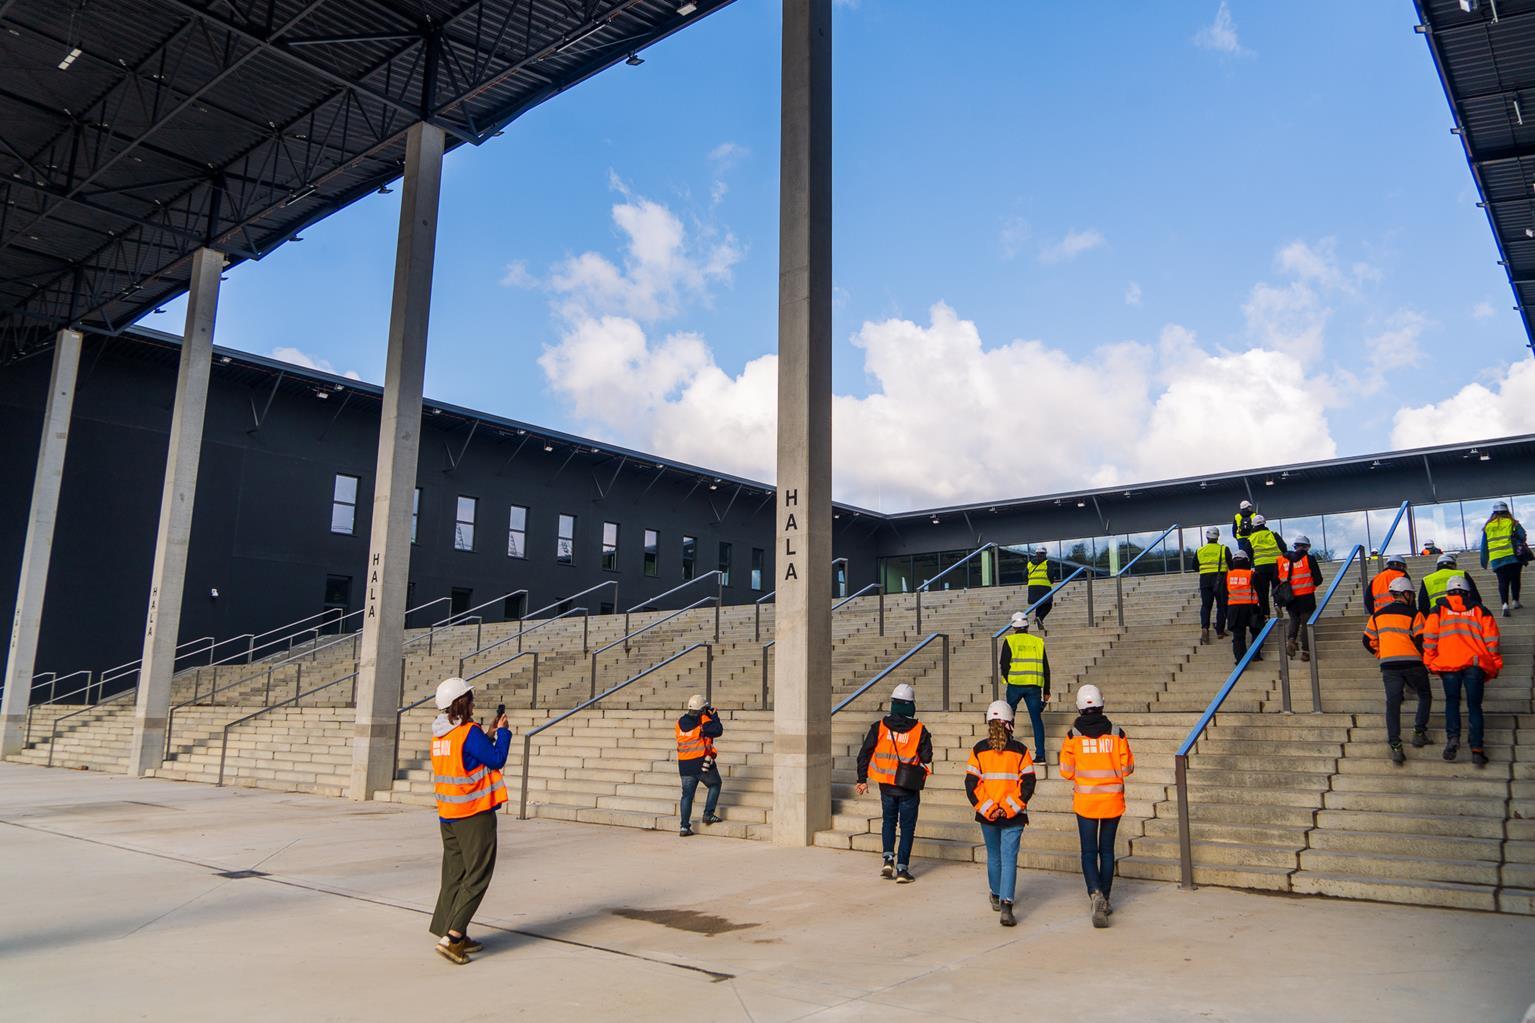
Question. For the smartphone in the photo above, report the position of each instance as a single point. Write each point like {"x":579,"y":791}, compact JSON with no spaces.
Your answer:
{"x":500,"y":711}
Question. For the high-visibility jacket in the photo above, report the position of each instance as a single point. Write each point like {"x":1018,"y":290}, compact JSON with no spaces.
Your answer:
{"x":999,"y":774}
{"x":1242,"y":524}
{"x":1097,"y":768}
{"x":1456,"y":636}
{"x":1265,"y":546}
{"x":1394,"y":633}
{"x":1500,"y":537}
{"x":1435,"y":583}
{"x":694,"y":744}
{"x":892,"y":749}
{"x":1026,"y":666}
{"x":1213,"y":557}
{"x":458,"y":794}
{"x":1298,"y":574}
{"x":1240,"y":588}
{"x":1380,"y":587}
{"x":1039,"y":573}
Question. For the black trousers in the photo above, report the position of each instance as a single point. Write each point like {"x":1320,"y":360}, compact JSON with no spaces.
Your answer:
{"x":1245,"y":621}
{"x":1508,"y":582}
{"x":1035,"y":592}
{"x":1211,"y":592}
{"x":1398,"y":678}
{"x":1264,"y":577}
{"x":1300,"y":609}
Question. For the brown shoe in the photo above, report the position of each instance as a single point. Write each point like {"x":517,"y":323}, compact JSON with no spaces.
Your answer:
{"x":471,"y":946}
{"x":453,"y":951}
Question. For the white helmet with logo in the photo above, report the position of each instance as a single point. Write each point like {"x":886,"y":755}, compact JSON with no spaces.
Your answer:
{"x":450,"y":689}
{"x":1000,"y":710}
{"x":1401,"y":584}
{"x":1089,"y":697}
{"x":1457,"y":584}
{"x":1020,"y":621}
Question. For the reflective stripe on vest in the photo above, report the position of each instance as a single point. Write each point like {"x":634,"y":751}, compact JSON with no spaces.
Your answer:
{"x":1298,"y":574}
{"x":891,"y":750}
{"x":1026,"y":660}
{"x":1380,"y":587}
{"x":462,"y":795}
{"x":1097,"y":767}
{"x":1393,"y":633}
{"x":1435,"y":583}
{"x":1500,"y":538}
{"x":1212,"y":558}
{"x":1239,"y":587}
{"x":999,"y":781}
{"x":1265,"y":546}
{"x":691,"y":744}
{"x":1039,"y":573}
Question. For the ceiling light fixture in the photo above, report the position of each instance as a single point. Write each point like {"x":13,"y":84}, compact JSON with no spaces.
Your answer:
{"x":548,"y":447}
{"x":385,"y":190}
{"x":1485,"y":457}
{"x":1081,"y":504}
{"x":1269,"y":482}
{"x":684,"y":9}
{"x":635,"y":60}
{"x":69,"y":58}
{"x":935,"y":520}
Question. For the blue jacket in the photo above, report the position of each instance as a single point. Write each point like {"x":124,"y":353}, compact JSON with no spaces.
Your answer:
{"x":479,"y":751}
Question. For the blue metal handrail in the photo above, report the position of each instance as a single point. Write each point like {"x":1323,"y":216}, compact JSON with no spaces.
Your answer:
{"x":1119,"y":585}
{"x":1364,"y":583}
{"x":1386,"y":543}
{"x":923,"y":588}
{"x":1181,"y":758}
{"x":996,"y":664}
{"x":930,"y":637}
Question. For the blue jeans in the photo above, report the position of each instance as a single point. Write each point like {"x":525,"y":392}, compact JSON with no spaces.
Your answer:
{"x":903,"y":808}
{"x":1471,"y":680}
{"x":1033,"y":698}
{"x":1002,"y":857}
{"x":1097,"y":839}
{"x":711,"y":780}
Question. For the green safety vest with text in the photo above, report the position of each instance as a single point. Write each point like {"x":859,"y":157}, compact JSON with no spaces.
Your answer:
{"x":1500,"y":538}
{"x":1435,"y":583}
{"x":1213,"y":557}
{"x":1039,"y":573}
{"x":1265,"y":546}
{"x":1026,"y":664}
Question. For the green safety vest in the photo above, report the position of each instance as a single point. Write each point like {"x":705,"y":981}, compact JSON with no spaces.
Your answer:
{"x":1027,"y":664}
{"x":1265,"y":546}
{"x":1500,"y":538}
{"x":1039,"y":573}
{"x":1241,"y":524}
{"x":1213,"y":557}
{"x":1435,"y":583}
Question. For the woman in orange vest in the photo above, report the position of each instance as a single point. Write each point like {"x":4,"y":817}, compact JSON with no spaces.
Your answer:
{"x":1096,"y":759}
{"x":466,"y":775}
{"x":897,"y":744}
{"x":1461,"y":645}
{"x":1298,"y":569}
{"x":999,"y":782}
{"x":1243,"y":617}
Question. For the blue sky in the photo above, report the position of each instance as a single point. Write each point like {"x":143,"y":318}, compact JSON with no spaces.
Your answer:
{"x":1074,"y":245}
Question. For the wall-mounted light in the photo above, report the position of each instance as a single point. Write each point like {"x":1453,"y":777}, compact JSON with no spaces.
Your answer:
{"x":688,"y":7}
{"x":1081,"y":504}
{"x":935,"y":520}
{"x":548,"y":447}
{"x":634,"y":60}
{"x":214,"y":593}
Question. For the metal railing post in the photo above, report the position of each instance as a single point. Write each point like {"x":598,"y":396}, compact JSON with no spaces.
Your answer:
{"x":919,"y":610}
{"x":709,"y":675}
{"x":881,"y":592}
{"x":996,"y":671}
{"x":1316,"y":678}
{"x":1091,"y":618}
{"x":1284,"y":678}
{"x":756,"y":623}
{"x":522,"y":799}
{"x":765,"y":654}
{"x":223,"y":753}
{"x":719,"y":602}
{"x":626,"y":640}
{"x":533,"y":702}
{"x":586,"y":628}
{"x":594,"y":675}
{"x":298,"y":677}
{"x":946,"y":671}
{"x":1185,"y":844}
{"x":1181,"y":566}
{"x":250,"y":651}
{"x":1119,"y":598}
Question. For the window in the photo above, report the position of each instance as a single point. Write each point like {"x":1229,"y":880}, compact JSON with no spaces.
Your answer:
{"x":610,"y":547}
{"x":724,"y":563}
{"x":343,"y":505}
{"x":759,"y":559}
{"x":565,"y":544}
{"x":517,"y":533}
{"x":338,"y":595}
{"x":839,"y":576}
{"x":689,"y":554}
{"x":652,"y":552}
{"x":459,"y":600}
{"x":415,"y":513}
{"x":516,"y":606}
{"x":463,"y":523}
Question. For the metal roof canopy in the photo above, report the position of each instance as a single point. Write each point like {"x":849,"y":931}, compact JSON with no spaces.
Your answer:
{"x":1486,"y":63}
{"x":133,"y":132}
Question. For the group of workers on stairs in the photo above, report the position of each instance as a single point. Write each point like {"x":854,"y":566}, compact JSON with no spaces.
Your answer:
{"x":1238,"y":585}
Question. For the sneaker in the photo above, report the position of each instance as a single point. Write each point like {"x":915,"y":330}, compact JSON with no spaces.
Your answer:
{"x":1305,"y":655}
{"x":712,"y":818}
{"x":903,"y":876}
{"x":1419,"y":737}
{"x":1108,"y":907}
{"x":1292,"y":647}
{"x":1506,"y":612}
{"x":1007,"y":919}
{"x":453,"y":951}
{"x":1397,"y":756}
{"x":888,"y":870}
{"x":470,"y":945}
{"x":1479,"y":758}
{"x":996,"y":904}
{"x":1452,"y":749}
{"x":685,"y":832}
{"x":1100,"y":910}
{"x":1518,"y":606}
{"x":1204,"y":636}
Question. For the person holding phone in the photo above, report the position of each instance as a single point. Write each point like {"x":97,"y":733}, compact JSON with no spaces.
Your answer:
{"x":466,"y":776}
{"x":697,"y":760}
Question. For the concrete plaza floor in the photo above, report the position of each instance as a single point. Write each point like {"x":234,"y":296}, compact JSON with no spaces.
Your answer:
{"x":114,"y":908}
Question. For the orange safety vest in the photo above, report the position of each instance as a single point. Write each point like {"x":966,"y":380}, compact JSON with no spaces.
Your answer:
{"x":999,"y":778}
{"x":1461,"y":637}
{"x":1298,"y":574}
{"x":1391,"y":636}
{"x":892,"y":749}
{"x":1239,"y":587}
{"x":692,"y":744}
{"x":462,"y":795}
{"x":1097,"y":768}
{"x":1380,"y":587}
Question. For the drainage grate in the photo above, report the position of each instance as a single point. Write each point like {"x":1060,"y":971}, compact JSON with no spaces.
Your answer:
{"x":235,"y":875}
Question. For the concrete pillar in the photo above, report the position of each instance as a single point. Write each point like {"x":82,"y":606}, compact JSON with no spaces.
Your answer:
{"x":21,"y":662}
{"x":379,"y":678}
{"x":162,"y":624}
{"x":802,"y":699}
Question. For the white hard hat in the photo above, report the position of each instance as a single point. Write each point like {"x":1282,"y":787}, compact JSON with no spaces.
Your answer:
{"x":1089,"y":696}
{"x":1446,"y":560}
{"x":1301,"y":541}
{"x":1046,"y":550}
{"x":1500,"y":506}
{"x":1396,"y":559}
{"x":1429,"y":543}
{"x":1020,"y":620}
{"x":697,"y":702}
{"x":1212,"y":533}
{"x":1000,"y":710}
{"x":1401,"y":584}
{"x":1244,"y":506}
{"x":1240,"y":555}
{"x":1457,"y":584}
{"x":451,"y":689}
{"x":1259,"y":520}
{"x":904,"y":692}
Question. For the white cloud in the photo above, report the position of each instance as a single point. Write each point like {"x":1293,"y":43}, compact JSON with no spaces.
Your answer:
{"x":1475,"y":412}
{"x":1318,"y":264}
{"x":1015,"y":231}
{"x":1221,"y":34}
{"x":516,"y":275}
{"x":1132,"y":294}
{"x":1073,"y":245}
{"x":724,"y":158}
{"x":1483,"y":311}
{"x":1288,"y":318}
{"x":286,"y":353}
